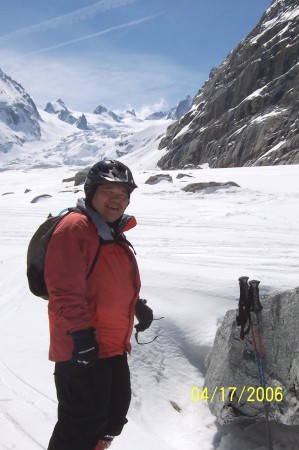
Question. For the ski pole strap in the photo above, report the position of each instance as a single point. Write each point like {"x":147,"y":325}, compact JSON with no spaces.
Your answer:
{"x":258,"y":357}
{"x":145,"y":343}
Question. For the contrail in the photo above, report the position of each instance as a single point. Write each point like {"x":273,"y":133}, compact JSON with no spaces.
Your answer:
{"x":90,"y":36}
{"x":79,"y":14}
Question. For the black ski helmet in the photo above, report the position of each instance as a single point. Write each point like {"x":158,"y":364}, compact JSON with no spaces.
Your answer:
{"x":108,"y":171}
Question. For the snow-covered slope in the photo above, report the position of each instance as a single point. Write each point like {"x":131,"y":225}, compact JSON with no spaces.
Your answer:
{"x":30,"y":137}
{"x":63,"y":144}
{"x":57,"y":136}
{"x":191,"y":249}
{"x":19,"y":118}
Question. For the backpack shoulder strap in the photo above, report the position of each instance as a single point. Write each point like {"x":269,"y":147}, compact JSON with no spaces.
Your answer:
{"x":94,"y":260}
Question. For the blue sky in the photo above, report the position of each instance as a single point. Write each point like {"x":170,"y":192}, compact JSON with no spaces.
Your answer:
{"x":138,"y":54}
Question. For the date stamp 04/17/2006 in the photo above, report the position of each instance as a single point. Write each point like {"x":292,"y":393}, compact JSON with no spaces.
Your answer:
{"x":232,"y":393}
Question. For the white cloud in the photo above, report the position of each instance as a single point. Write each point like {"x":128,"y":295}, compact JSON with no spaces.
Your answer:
{"x":75,"y":16}
{"x":145,"y":110}
{"x":90,"y":36}
{"x":146,"y":82}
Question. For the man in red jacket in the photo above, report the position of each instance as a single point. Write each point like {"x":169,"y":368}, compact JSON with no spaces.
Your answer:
{"x":93,"y":283}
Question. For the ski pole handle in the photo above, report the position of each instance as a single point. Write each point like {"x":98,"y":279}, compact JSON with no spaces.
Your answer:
{"x":243,"y":282}
{"x":256,"y":305}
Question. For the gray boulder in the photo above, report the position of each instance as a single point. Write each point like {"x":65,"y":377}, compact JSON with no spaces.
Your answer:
{"x":231,"y":364}
{"x":183,"y":175}
{"x":39,"y":197}
{"x":210,"y":186}
{"x":80,"y":176}
{"x":154,"y":179}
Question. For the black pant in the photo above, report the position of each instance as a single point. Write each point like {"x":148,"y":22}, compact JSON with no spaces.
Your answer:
{"x":92,"y":402}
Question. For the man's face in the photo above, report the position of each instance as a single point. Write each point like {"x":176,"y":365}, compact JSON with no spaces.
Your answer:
{"x":110,"y":201}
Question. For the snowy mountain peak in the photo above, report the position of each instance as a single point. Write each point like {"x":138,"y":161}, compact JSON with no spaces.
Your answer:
{"x":102,"y":110}
{"x":181,"y":109}
{"x":175,"y":113}
{"x":131,"y":111}
{"x":19,"y":118}
{"x":55,"y":107}
{"x":61,"y":111}
{"x":66,"y":137}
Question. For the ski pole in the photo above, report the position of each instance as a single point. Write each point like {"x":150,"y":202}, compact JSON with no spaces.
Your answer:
{"x":244,"y":307}
{"x":256,"y":307}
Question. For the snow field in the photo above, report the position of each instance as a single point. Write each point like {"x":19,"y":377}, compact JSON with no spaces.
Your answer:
{"x":191,"y":249}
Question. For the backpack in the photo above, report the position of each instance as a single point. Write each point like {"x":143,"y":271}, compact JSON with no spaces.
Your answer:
{"x":36,"y":254}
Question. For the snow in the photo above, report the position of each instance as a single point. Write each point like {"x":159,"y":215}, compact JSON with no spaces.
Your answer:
{"x":262,"y":117}
{"x":64,"y":144}
{"x":273,"y":149}
{"x":287,"y":16}
{"x":183,"y":131}
{"x":191,"y":249}
{"x":8,"y":89}
{"x":254,"y":94}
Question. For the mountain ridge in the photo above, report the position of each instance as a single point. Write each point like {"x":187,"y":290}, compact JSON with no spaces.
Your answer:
{"x":57,"y":135}
{"x":245,"y":114}
{"x":19,"y":117}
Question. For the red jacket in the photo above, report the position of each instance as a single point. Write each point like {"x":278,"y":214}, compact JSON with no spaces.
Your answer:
{"x":105,"y":301}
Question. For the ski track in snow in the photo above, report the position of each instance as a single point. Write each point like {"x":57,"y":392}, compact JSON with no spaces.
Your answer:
{"x":191,"y":250}
{"x":22,"y":411}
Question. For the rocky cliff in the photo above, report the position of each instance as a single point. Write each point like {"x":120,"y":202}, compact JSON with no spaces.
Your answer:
{"x":247,"y":112}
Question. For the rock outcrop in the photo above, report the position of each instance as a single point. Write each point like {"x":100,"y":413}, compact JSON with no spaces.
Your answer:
{"x":82,"y":123}
{"x":231,"y":364}
{"x":247,"y":112}
{"x":211,"y":186}
{"x":154,"y":179}
{"x":59,"y":109}
{"x":80,"y":176}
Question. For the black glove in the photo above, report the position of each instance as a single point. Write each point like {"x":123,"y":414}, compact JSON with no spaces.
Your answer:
{"x":144,"y":315}
{"x":86,"y":347}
